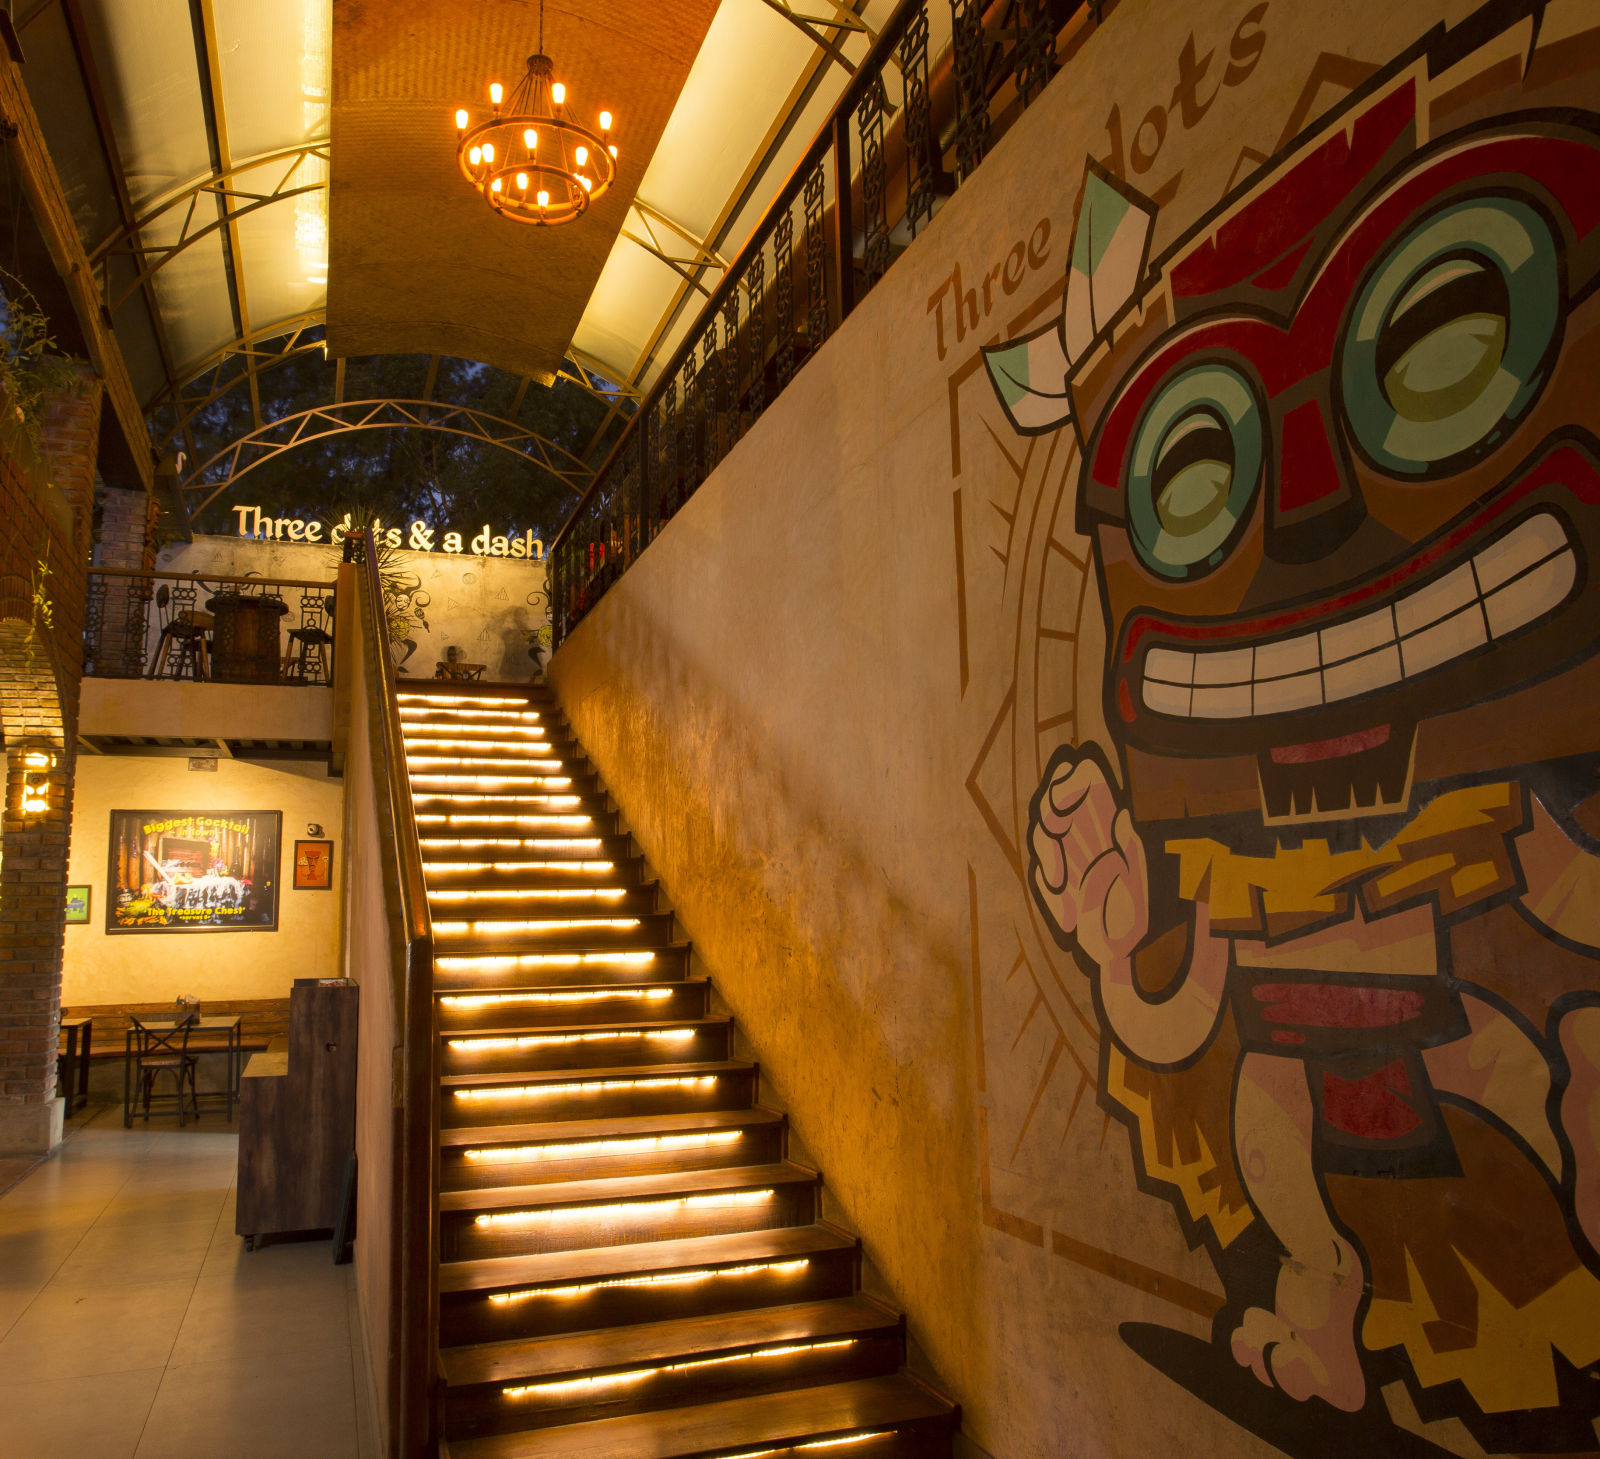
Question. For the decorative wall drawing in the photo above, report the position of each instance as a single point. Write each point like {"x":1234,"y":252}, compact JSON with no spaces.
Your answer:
{"x":193,"y":871}
{"x":313,"y":866}
{"x":80,"y":898}
{"x":1332,"y":878}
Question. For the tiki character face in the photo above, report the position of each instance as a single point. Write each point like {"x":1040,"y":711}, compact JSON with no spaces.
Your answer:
{"x":1342,"y":475}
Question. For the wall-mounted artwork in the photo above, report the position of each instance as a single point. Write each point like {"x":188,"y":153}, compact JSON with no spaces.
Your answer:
{"x":1327,"y":884}
{"x":79,"y":900}
{"x":313,"y":866}
{"x":193,"y":871}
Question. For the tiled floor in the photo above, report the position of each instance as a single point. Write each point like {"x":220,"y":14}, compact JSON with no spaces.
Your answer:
{"x":133,"y":1324}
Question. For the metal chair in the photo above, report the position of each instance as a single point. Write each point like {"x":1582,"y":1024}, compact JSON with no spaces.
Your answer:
{"x":307,"y":658}
{"x":159,"y":1051}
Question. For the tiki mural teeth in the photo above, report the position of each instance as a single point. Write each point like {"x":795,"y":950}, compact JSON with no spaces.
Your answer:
{"x":1337,"y":891}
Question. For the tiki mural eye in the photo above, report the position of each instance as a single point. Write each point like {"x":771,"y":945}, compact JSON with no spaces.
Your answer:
{"x":1450,"y":340}
{"x":1193,"y":470}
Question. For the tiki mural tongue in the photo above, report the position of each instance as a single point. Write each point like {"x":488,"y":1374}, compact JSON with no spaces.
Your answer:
{"x":1335,"y":880}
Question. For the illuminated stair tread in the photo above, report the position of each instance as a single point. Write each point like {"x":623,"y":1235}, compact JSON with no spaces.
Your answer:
{"x":620,"y":1128}
{"x":612,"y":1263}
{"x":646,"y":1343}
{"x":583,"y":1076}
{"x":707,"y":1022}
{"x":675,"y":987}
{"x":535,"y":1287}
{"x":610,"y":1190}
{"x":789,"y":1416}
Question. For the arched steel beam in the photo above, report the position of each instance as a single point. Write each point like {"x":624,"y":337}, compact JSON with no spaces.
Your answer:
{"x":233,"y":202}
{"x":318,"y":423}
{"x":274,"y":344}
{"x":271,"y":344}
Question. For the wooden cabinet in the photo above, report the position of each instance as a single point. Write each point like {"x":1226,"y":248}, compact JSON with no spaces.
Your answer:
{"x":297,"y":1111}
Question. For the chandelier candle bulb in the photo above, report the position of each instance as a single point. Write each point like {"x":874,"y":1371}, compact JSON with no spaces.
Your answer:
{"x":558,"y":93}
{"x":461,"y":119}
{"x":605,"y":121}
{"x":530,"y":139}
{"x":496,"y":91}
{"x":581,"y":156}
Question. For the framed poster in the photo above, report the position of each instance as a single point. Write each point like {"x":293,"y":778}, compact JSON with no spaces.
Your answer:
{"x":193,"y":871}
{"x":79,"y":900}
{"x":313,"y":866}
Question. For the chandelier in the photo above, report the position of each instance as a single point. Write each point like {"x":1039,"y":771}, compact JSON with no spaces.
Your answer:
{"x":529,"y":159}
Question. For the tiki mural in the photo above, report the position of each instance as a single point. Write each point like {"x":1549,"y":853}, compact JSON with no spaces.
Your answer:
{"x":1333,"y":881}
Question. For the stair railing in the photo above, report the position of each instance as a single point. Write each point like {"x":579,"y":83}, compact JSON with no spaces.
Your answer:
{"x":414,"y":1313}
{"x":908,"y":130}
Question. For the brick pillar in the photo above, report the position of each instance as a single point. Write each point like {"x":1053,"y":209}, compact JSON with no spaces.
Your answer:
{"x":46,"y":508}
{"x":117,"y":607}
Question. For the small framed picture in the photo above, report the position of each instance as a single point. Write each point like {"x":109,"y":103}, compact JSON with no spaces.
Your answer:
{"x":78,"y":900}
{"x":313,"y":866}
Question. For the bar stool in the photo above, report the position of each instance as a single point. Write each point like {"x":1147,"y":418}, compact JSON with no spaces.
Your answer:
{"x":188,"y":630}
{"x":307,"y":658}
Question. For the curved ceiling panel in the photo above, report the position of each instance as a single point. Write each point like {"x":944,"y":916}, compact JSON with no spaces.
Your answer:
{"x":418,"y":263}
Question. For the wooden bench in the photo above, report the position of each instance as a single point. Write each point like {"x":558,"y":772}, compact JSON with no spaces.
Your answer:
{"x":264,"y":1020}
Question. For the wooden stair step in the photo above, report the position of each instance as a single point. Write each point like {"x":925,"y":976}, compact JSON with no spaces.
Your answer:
{"x":613,"y":1263}
{"x":594,"y":933}
{"x":454,"y":972}
{"x":627,"y":1071}
{"x":443,"y":846}
{"x":619,"y":1128}
{"x":626,"y":1027}
{"x":650,"y":1343}
{"x":789,"y":1417}
{"x":580,"y":1005}
{"x":618,"y":1189}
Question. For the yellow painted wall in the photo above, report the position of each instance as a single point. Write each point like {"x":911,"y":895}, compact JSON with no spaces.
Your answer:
{"x":157,"y":967}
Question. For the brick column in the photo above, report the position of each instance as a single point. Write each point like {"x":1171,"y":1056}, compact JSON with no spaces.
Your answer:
{"x":117,"y":608}
{"x":46,"y":508}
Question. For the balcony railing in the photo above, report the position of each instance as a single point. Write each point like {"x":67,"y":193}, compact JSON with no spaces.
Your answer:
{"x":251,"y":630}
{"x":906,"y":133}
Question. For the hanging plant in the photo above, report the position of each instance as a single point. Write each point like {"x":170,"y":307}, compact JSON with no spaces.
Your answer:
{"x":33,"y":371}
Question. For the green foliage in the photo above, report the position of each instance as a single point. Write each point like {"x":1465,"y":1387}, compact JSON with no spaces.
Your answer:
{"x":44,"y":613}
{"x":32,"y":370}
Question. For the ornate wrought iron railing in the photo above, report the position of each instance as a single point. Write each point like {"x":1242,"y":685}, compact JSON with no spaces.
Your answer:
{"x":909,"y":130}
{"x":187,"y":626}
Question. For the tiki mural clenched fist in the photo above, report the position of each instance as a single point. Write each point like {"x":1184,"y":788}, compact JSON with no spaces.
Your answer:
{"x":1335,"y":881}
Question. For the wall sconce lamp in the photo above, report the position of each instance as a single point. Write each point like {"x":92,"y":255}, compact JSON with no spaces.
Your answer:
{"x":36,"y":768}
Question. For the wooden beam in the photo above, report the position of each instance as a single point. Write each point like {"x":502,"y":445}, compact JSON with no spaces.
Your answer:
{"x":42,"y":186}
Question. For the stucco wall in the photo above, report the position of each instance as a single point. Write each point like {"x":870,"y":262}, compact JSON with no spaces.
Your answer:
{"x":835,"y":697}
{"x":155,"y":967}
{"x":488,"y":607}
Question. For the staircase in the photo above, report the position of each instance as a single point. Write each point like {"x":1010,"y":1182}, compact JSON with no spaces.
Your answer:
{"x":630,"y":1268}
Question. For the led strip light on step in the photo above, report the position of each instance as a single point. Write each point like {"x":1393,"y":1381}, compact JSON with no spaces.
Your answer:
{"x":593,"y":1149}
{"x":467,"y":1001}
{"x":571,"y":1387}
{"x":592,"y":868}
{"x":435,"y":819}
{"x":524,"y":1091}
{"x":554,"y":782}
{"x":403,"y":698}
{"x":459,"y":797}
{"x":445,"y":742}
{"x":460,"y":762}
{"x":721,"y":1200}
{"x":844,"y":1441}
{"x":656,"y":1279}
{"x":526,"y":894}
{"x":418,"y":714}
{"x":535,"y":843}
{"x":509,"y":961}
{"x":565,"y":924}
{"x":486,"y":1043}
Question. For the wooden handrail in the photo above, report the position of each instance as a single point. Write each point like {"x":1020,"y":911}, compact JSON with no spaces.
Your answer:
{"x":415,"y":1309}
